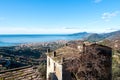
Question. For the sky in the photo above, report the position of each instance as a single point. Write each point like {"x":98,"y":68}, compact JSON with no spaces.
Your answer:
{"x":59,"y":16}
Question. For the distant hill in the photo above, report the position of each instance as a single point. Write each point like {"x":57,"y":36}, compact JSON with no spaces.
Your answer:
{"x":80,"y":35}
{"x":94,"y":37}
{"x":97,"y":37}
{"x":114,"y":35}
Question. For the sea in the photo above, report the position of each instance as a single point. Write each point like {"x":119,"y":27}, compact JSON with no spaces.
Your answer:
{"x":13,"y":40}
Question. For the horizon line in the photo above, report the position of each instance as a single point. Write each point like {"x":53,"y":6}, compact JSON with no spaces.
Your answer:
{"x":53,"y":33}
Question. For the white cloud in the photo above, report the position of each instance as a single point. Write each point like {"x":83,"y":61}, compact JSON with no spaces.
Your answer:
{"x":18,"y":30}
{"x":97,"y":1}
{"x":111,"y":29}
{"x":107,"y":15}
{"x":13,"y":30}
{"x":62,"y":30}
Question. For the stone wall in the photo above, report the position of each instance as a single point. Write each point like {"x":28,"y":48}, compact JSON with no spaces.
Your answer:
{"x":53,"y":68}
{"x":23,"y":73}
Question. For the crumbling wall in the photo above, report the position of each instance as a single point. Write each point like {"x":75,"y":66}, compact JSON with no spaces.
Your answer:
{"x":53,"y":69}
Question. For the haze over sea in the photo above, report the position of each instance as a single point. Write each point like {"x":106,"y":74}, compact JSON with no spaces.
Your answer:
{"x":12,"y":40}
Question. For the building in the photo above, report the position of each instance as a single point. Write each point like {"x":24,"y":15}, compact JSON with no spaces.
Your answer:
{"x":85,"y":62}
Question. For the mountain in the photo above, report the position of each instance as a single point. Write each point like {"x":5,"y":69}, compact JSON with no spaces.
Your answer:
{"x":98,"y":37}
{"x":94,"y":37}
{"x":114,"y":35}
{"x":81,"y":35}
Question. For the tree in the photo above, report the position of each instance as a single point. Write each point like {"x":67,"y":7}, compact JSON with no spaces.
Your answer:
{"x":90,"y":65}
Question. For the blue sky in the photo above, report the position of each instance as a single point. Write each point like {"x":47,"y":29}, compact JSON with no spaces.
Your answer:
{"x":59,"y":16}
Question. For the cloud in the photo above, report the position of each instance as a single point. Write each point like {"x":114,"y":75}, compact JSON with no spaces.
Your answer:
{"x":18,"y":30}
{"x":107,"y":15}
{"x":74,"y":27}
{"x":111,"y":29}
{"x":97,"y":1}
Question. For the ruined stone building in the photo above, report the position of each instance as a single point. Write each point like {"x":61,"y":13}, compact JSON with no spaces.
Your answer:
{"x":81,"y":61}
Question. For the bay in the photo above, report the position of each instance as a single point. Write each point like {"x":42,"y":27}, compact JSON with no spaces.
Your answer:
{"x":12,"y":40}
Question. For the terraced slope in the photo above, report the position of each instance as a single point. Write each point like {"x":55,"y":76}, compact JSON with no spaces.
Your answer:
{"x":23,"y":73}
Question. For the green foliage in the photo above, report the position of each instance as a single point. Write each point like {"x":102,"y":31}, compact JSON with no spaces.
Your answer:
{"x":1,"y":78}
{"x":118,"y":51}
{"x":116,"y":66}
{"x":42,"y":71}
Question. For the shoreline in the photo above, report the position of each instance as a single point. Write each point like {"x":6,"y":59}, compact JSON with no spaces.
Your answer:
{"x":33,"y":43}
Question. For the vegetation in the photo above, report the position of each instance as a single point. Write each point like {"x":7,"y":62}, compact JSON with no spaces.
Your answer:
{"x":26,"y":54}
{"x":23,"y":55}
{"x":42,"y":71}
{"x":116,"y":66}
{"x":94,"y":64}
{"x":115,"y":45}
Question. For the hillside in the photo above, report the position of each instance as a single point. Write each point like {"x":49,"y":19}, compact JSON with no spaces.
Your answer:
{"x":98,"y":37}
{"x":94,"y":37}
{"x":80,"y":35}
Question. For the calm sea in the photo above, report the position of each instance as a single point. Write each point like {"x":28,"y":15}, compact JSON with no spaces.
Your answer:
{"x":11,"y":40}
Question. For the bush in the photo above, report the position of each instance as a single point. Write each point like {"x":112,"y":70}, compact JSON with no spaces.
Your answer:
{"x":42,"y":71}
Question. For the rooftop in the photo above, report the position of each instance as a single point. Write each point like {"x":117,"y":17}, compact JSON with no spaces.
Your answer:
{"x":73,"y":50}
{"x":67,"y":52}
